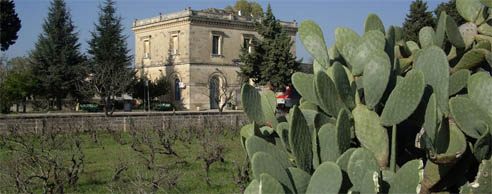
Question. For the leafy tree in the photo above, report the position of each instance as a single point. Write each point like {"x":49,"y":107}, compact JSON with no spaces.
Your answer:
{"x":17,"y":84}
{"x":56,"y":60}
{"x":10,"y":24}
{"x":246,"y":8}
{"x":271,"y":61}
{"x":450,"y":8}
{"x":418,"y":18}
{"x":110,"y":64}
{"x":156,"y":88}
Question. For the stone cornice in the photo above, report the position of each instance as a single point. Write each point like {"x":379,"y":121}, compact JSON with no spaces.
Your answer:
{"x":202,"y":19}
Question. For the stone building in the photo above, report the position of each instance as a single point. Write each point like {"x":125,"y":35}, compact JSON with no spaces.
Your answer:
{"x":198,"y":51}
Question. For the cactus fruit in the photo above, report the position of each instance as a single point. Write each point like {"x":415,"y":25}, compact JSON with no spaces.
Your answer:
{"x":319,"y":184}
{"x":434,"y":64}
{"x":404,"y":99}
{"x":458,"y":81}
{"x":312,"y":37}
{"x":373,"y":23}
{"x":376,"y":76}
{"x":408,"y":178}
{"x":371,"y":134}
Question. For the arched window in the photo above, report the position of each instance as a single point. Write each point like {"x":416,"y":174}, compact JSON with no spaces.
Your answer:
{"x":214,"y":92}
{"x":177,"y":90}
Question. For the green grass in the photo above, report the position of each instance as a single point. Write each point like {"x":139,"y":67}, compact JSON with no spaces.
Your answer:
{"x":103,"y":157}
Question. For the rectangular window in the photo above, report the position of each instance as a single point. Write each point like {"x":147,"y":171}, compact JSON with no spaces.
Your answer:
{"x":146,"y":49}
{"x":216,"y":45}
{"x":174,"y":45}
{"x":247,"y":44}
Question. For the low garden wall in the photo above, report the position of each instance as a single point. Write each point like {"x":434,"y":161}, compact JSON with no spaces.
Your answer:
{"x":123,"y":121}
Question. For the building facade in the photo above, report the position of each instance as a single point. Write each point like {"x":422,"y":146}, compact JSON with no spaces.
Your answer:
{"x":198,"y":51}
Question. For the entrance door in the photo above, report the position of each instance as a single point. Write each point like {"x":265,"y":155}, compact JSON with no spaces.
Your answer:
{"x":214,"y":92}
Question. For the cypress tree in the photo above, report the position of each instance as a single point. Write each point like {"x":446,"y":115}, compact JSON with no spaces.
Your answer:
{"x":450,"y":8}
{"x":418,"y":18}
{"x":56,"y":59}
{"x":10,"y":24}
{"x":271,"y":61}
{"x":111,"y":72}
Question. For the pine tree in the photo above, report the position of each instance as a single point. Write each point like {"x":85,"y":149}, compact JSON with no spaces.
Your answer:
{"x":111,"y":72}
{"x":271,"y":61}
{"x":10,"y":24}
{"x":418,"y":18}
{"x":450,"y":8}
{"x":56,"y":60}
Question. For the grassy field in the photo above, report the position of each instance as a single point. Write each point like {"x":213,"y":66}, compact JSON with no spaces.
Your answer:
{"x":184,"y":173}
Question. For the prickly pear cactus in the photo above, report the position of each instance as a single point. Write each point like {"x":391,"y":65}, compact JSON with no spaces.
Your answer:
{"x":381,"y":114}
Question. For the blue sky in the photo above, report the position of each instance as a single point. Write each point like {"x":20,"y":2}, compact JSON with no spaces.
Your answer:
{"x":329,"y":14}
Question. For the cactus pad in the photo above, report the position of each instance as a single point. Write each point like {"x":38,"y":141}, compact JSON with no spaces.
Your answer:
{"x":372,"y":40}
{"x":255,"y":144}
{"x":373,"y":22}
{"x":454,"y":35}
{"x":342,"y":83}
{"x":361,"y":162}
{"x":450,"y":144}
{"x":468,"y":9}
{"x":469,"y":117}
{"x":312,"y":38}
{"x":303,"y":83}
{"x":299,"y":178}
{"x":265,"y":163}
{"x":483,"y":180}
{"x":371,"y":183}
{"x":251,"y":102}
{"x":430,"y":118}
{"x":371,"y":134}
{"x":408,"y":178}
{"x":404,"y":99}
{"x":326,"y":179}
{"x":253,"y":187}
{"x":268,"y":184}
{"x":471,"y":59}
{"x":441,"y":29}
{"x":269,"y":107}
{"x":483,"y":147}
{"x":458,"y":80}
{"x":434,"y":64}
{"x":427,"y":37}
{"x":343,"y":36}
{"x":326,"y":93}
{"x":376,"y":76}
{"x":480,"y":90}
{"x":300,"y":138}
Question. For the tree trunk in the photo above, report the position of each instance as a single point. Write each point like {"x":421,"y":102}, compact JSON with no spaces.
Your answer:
{"x":59,"y":103}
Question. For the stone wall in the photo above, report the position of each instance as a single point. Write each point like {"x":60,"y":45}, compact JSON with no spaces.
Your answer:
{"x":227,"y":120}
